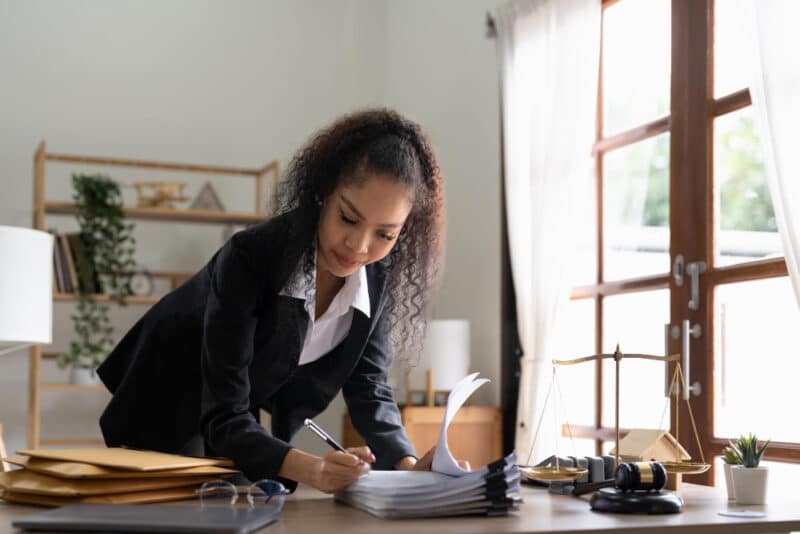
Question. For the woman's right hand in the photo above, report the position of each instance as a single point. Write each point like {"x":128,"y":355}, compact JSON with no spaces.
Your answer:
{"x":337,"y":470}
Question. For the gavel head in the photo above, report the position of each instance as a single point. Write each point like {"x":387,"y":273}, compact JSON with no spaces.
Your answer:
{"x":640,"y":476}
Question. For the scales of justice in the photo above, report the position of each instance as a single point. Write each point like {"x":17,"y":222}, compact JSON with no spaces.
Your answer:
{"x":625,"y":497}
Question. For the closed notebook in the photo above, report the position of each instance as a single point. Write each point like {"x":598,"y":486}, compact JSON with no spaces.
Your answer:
{"x":128,"y":459}
{"x":84,"y":517}
{"x":63,"y":469}
{"x":24,"y":481}
{"x":138,"y":497}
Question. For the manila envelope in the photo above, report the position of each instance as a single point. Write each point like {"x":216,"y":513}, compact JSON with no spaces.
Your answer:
{"x":139,"y":497}
{"x":24,"y":481}
{"x":61,"y":469}
{"x":128,"y":459}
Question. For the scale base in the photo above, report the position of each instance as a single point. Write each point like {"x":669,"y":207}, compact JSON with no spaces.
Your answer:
{"x":615,"y":501}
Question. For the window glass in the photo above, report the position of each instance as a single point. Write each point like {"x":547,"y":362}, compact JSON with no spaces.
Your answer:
{"x":636,"y":63}
{"x":744,"y":217}
{"x":756,"y":359}
{"x":729,"y":76}
{"x":636,"y":209}
{"x":636,"y":321}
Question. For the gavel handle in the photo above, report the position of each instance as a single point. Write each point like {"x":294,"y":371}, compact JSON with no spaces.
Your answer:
{"x":592,"y":486}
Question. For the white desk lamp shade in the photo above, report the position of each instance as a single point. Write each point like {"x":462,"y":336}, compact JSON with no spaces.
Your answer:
{"x":446,"y":352}
{"x":26,"y":292}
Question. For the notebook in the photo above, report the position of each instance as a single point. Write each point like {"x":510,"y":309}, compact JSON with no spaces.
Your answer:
{"x":447,"y":489}
{"x":149,"y":518}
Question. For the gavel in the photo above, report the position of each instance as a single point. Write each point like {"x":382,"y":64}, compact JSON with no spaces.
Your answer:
{"x":631,"y":476}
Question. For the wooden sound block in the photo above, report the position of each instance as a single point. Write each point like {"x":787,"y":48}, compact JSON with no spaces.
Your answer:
{"x":615,"y":501}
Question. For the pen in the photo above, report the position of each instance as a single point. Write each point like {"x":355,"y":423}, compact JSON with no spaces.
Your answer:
{"x":324,"y":435}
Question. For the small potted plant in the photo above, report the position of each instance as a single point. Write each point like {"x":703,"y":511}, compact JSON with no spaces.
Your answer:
{"x":729,"y":459}
{"x":749,"y":479}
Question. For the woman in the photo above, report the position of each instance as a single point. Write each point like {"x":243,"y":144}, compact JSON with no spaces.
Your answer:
{"x":292,"y":310}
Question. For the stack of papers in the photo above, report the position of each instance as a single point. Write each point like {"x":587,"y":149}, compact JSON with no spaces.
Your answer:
{"x":106,"y":475}
{"x":447,"y":489}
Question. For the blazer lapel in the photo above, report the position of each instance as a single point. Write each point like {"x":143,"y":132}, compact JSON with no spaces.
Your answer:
{"x":353,"y":345}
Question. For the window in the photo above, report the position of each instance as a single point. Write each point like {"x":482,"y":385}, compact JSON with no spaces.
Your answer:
{"x":680,"y":173}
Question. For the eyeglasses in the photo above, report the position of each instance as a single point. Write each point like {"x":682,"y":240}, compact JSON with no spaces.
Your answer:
{"x":263,"y":494}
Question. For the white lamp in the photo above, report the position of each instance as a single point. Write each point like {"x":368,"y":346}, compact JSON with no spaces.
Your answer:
{"x":445,"y":359}
{"x":26,"y":292}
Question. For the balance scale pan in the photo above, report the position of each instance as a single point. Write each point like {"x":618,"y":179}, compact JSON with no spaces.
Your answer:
{"x":686,"y":468}
{"x":553,"y":473}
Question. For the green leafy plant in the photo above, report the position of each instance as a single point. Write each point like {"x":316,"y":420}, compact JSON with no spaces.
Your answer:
{"x":729,"y":456}
{"x":94,"y":330}
{"x":748,"y":451}
{"x":109,"y":245}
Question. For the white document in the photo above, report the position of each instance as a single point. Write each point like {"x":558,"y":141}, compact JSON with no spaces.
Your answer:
{"x":445,"y":490}
{"x":443,"y":461}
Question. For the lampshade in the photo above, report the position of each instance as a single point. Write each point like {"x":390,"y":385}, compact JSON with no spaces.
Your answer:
{"x":446,"y":352}
{"x":26,"y":292}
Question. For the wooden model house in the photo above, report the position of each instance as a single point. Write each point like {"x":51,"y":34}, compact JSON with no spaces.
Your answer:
{"x":645,"y":444}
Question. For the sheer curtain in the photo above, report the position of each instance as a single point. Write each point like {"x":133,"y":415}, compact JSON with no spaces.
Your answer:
{"x":549,"y":57}
{"x":775,"y":91}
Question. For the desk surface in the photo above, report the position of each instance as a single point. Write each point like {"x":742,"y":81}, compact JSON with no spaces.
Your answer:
{"x":311,"y":511}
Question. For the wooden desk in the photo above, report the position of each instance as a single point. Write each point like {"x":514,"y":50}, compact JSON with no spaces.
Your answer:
{"x":311,"y":511}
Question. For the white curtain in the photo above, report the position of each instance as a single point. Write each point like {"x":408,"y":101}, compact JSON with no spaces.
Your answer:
{"x":775,"y":91}
{"x":549,"y":57}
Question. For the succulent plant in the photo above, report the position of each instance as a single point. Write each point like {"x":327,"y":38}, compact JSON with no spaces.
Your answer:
{"x":746,"y":448}
{"x":729,"y":456}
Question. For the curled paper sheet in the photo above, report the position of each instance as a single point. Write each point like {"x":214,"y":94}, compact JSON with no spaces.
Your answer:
{"x":443,"y":461}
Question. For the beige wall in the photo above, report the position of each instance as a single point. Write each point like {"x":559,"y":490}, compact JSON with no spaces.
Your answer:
{"x":241,"y":83}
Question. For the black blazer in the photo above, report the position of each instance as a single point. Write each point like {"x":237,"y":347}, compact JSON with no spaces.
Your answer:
{"x":208,"y":355}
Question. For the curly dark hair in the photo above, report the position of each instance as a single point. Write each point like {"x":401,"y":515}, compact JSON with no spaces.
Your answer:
{"x":379,"y":141}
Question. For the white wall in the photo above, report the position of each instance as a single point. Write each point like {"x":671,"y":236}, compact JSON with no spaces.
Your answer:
{"x":441,"y":70}
{"x":240,"y":83}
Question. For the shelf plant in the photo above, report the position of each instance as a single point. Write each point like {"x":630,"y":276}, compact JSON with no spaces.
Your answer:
{"x":749,"y":478}
{"x":109,"y":246}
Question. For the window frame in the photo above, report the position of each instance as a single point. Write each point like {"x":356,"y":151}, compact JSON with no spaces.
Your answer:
{"x":693,"y":109}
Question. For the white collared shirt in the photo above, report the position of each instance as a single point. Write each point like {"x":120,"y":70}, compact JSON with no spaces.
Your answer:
{"x":330,"y":329}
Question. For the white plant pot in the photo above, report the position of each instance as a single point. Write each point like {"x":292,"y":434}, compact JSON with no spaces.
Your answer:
{"x":84,"y":376}
{"x":750,"y":484}
{"x":729,"y":482}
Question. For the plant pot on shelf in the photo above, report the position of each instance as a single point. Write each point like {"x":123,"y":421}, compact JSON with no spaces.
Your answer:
{"x":750,"y":484}
{"x":83,"y":376}
{"x":729,"y":482}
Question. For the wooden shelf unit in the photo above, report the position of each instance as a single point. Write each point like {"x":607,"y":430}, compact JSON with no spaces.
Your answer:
{"x":71,"y":387}
{"x":43,"y":207}
{"x":3,"y":465}
{"x":166,"y":214}
{"x":133,"y":299}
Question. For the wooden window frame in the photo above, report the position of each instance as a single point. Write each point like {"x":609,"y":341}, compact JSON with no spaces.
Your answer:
{"x":693,"y":109}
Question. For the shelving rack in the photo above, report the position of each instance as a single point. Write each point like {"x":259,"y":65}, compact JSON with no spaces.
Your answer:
{"x":43,"y":207}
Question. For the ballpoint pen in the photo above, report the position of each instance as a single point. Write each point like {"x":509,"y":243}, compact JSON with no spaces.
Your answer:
{"x":324,"y":435}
